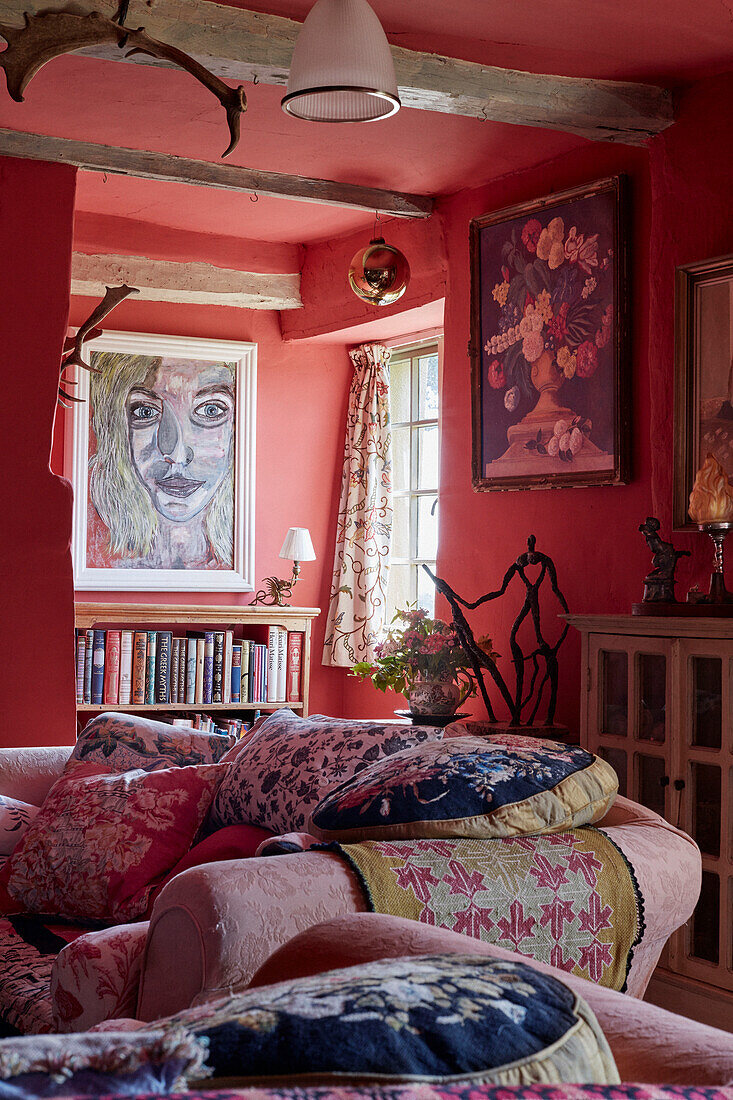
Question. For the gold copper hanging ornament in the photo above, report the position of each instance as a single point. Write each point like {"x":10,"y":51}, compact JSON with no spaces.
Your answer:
{"x":379,"y":274}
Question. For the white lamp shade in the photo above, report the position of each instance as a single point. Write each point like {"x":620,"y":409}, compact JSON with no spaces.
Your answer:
{"x":342,"y":68}
{"x":298,"y":545}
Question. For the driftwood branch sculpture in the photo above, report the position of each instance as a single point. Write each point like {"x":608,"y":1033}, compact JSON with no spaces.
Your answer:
{"x":88,"y":330}
{"x":51,"y":34}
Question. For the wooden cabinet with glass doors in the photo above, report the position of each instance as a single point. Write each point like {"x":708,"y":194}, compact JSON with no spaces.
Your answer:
{"x":656,"y":703}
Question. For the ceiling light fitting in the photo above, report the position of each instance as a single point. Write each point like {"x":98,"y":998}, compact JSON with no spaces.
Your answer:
{"x":342,"y":68}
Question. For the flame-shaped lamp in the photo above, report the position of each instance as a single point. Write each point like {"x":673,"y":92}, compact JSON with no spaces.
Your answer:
{"x":711,"y":507}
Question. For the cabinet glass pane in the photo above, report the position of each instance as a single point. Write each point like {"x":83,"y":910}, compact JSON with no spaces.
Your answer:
{"x":706,"y":807}
{"x":651,"y":771}
{"x":707,"y":694}
{"x":399,"y":391}
{"x":652,"y":681}
{"x":706,"y":920}
{"x":426,"y":441}
{"x":617,"y":759}
{"x":427,"y":366}
{"x":614,"y":693}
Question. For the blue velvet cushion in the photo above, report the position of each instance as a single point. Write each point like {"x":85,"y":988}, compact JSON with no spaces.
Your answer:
{"x":507,"y":785}
{"x":426,"y":1018}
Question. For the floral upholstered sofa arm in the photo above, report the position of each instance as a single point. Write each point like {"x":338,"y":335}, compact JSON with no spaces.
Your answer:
{"x":225,"y":919}
{"x":97,"y":976}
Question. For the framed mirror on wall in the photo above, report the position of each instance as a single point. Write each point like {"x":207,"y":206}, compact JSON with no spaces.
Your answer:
{"x":703,"y":375}
{"x":163,"y":455}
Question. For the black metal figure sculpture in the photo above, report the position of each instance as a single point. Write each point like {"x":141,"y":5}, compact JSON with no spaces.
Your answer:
{"x":659,"y":581}
{"x":518,"y":702}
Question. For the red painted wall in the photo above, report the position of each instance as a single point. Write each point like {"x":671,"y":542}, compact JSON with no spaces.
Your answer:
{"x":329,"y":304}
{"x":680,"y":198}
{"x":36,"y":700}
{"x":680,"y":202}
{"x":301,"y":409}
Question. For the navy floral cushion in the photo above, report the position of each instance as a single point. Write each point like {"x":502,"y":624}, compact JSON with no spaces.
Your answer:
{"x":126,"y":742}
{"x":428,"y":1018}
{"x":278,"y":777}
{"x":507,"y":785}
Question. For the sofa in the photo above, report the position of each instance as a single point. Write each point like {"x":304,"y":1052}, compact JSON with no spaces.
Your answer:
{"x":226,"y":918}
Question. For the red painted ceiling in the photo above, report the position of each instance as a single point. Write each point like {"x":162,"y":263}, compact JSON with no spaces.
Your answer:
{"x":668,"y":41}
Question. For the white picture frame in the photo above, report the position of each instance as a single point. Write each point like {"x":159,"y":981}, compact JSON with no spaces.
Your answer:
{"x":240,"y":578}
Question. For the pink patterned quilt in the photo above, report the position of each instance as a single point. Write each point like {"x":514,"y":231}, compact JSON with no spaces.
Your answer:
{"x":456,"y":1092}
{"x":28,"y":949}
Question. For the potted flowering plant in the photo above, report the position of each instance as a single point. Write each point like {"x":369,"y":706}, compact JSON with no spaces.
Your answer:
{"x":422,"y":659}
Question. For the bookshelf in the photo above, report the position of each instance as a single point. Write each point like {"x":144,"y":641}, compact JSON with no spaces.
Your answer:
{"x":182,"y":617}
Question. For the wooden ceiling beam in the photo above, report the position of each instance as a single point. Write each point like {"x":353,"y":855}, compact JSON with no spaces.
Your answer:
{"x":204,"y":173}
{"x":241,"y":45}
{"x":194,"y":283}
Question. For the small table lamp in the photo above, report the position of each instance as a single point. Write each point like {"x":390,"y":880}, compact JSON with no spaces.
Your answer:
{"x":297,"y":547}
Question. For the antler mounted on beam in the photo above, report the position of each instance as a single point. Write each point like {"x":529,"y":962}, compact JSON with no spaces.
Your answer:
{"x":47,"y":35}
{"x":88,"y":330}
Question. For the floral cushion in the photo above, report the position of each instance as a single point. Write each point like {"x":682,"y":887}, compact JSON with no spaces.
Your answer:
{"x":95,"y":1065}
{"x":468,"y":786}
{"x":15,"y":817}
{"x":101,"y":842}
{"x":122,"y":742}
{"x":433,"y":1017}
{"x":290,"y":763}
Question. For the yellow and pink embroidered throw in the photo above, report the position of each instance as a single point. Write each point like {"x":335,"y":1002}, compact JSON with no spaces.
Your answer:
{"x":566,"y":899}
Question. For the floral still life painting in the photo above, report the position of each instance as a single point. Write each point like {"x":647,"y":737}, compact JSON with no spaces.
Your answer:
{"x":162,"y":464}
{"x":547,"y":342}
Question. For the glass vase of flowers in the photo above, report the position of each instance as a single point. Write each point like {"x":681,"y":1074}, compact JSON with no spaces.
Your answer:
{"x":423,"y":660}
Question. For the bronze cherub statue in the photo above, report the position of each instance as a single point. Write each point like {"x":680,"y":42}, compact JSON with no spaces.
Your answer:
{"x":659,"y":581}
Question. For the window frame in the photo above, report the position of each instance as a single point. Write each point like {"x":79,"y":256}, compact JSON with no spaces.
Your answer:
{"x":414,"y":351}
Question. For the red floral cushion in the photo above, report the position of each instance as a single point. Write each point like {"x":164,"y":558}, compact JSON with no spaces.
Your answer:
{"x":15,"y":817}
{"x":101,"y":842}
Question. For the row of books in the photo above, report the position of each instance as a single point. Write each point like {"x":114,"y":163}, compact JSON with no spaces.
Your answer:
{"x":152,"y":667}
{"x":207,"y":724}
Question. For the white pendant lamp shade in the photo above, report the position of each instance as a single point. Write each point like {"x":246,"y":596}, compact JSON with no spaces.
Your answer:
{"x":342,"y":68}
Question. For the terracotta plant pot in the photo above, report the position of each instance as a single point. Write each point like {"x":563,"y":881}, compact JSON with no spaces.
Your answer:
{"x":433,"y":697}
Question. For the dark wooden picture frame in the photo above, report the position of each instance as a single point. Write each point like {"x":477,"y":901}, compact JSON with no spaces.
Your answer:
{"x":549,"y":312}
{"x":703,"y":413}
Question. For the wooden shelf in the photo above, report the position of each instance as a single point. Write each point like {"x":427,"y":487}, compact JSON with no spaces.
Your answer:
{"x":137,"y":708}
{"x":154,"y":616}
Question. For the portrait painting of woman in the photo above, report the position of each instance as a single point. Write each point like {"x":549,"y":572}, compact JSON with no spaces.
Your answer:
{"x":163,"y":476}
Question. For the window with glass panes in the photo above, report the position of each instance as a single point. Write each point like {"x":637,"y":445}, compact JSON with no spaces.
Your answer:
{"x":414,"y":398}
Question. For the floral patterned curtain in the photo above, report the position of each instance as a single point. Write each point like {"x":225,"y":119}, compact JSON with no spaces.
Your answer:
{"x":356,"y":610}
